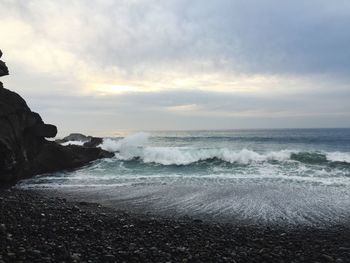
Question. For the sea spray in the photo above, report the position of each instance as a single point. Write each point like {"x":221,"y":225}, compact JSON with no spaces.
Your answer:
{"x":125,"y":144}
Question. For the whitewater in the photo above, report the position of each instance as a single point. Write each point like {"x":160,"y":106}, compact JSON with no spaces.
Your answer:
{"x":252,"y":176}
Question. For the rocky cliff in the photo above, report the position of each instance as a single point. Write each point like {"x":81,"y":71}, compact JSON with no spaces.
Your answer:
{"x":24,"y":149}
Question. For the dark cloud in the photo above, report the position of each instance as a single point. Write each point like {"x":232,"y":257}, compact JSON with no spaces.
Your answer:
{"x":246,"y":36}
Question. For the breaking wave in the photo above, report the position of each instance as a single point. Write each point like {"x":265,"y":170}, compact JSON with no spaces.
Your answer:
{"x":135,"y":147}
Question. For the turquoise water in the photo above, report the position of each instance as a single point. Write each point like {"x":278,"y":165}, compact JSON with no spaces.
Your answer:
{"x":291,"y":176}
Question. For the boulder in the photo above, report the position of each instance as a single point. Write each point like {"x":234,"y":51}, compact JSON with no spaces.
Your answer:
{"x":93,"y":142}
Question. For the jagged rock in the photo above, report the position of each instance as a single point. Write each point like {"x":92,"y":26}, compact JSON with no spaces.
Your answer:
{"x":44,"y":130}
{"x":94,"y":142}
{"x":89,"y":141}
{"x":76,"y":137}
{"x":3,"y":68}
{"x":54,"y":157}
{"x":24,"y":151}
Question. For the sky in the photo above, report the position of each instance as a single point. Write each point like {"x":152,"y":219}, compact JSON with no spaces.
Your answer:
{"x":99,"y":67}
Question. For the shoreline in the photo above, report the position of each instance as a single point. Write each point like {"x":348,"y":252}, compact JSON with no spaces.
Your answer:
{"x":135,"y":206}
{"x":39,"y":228}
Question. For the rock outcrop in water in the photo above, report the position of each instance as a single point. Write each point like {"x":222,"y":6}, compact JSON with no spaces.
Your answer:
{"x":88,"y":141}
{"x":24,"y":151}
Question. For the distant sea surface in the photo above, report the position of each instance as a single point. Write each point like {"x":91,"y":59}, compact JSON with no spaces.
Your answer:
{"x":291,"y":176}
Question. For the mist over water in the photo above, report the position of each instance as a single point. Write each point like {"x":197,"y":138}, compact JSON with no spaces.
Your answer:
{"x":259,"y":176}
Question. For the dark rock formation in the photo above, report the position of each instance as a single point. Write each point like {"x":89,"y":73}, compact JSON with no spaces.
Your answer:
{"x":24,"y":151}
{"x":94,"y":142}
{"x":3,"y":69}
{"x":44,"y":130}
{"x":89,"y":141}
{"x":54,"y":157}
{"x":76,"y":137}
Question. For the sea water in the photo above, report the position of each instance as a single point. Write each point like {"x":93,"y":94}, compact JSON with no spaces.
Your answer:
{"x":291,"y":176}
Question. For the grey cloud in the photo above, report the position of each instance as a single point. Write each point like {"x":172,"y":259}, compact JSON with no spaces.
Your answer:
{"x":282,"y":38}
{"x":289,"y":37}
{"x":245,"y":36}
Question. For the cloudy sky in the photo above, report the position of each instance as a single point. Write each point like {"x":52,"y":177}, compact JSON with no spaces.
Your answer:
{"x":108,"y":65}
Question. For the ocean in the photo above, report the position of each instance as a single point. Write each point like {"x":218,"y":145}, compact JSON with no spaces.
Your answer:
{"x":286,"y":176}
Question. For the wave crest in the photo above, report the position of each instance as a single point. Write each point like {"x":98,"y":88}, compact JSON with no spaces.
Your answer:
{"x":135,"y":147}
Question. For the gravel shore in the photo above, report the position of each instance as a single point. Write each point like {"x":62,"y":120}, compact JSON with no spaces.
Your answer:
{"x":37,"y":228}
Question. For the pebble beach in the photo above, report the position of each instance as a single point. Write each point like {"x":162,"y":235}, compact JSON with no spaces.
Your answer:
{"x":39,"y":228}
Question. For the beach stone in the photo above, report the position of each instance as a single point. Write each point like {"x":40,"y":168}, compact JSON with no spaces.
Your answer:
{"x":2,"y":228}
{"x":62,"y":252}
{"x":36,"y":252}
{"x":108,"y":258}
{"x":327,"y":258}
{"x":75,"y":257}
{"x":181,"y":249}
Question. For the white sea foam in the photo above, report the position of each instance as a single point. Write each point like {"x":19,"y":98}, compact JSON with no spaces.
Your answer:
{"x":126,"y":144}
{"x":80,"y":143}
{"x":184,"y":156}
{"x":135,"y":146}
{"x":338,"y":157}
